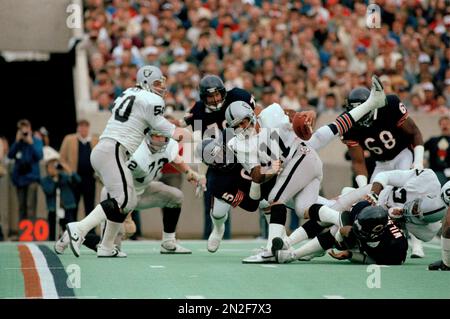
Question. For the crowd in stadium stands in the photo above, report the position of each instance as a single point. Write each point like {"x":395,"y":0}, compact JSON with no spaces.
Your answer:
{"x":300,"y":53}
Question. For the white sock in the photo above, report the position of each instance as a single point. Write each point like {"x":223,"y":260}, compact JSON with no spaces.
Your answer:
{"x":415,"y":241}
{"x":446,"y":251}
{"x":219,"y":223}
{"x":309,"y":248}
{"x":111,"y":231}
{"x":168,"y":236}
{"x":91,"y":220}
{"x":297,"y":236}
{"x":275,"y":230}
{"x":329,"y":215}
{"x":360,"y":111}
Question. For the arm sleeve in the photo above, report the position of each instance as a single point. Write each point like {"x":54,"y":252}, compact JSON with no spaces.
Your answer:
{"x":394,"y":178}
{"x":37,"y":147}
{"x":321,"y":137}
{"x":13,"y":150}
{"x":48,"y":186}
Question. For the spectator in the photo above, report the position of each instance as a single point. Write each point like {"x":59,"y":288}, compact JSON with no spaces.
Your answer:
{"x":3,"y":152}
{"x":75,"y":152}
{"x":438,"y":148}
{"x":26,"y":152}
{"x":59,"y":176}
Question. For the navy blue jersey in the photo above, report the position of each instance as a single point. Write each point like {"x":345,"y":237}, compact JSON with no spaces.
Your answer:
{"x":384,"y":139}
{"x":207,"y":120}
{"x":392,"y":247}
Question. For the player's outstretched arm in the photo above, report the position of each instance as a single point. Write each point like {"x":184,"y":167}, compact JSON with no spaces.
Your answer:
{"x":411,"y":129}
{"x":358,"y":164}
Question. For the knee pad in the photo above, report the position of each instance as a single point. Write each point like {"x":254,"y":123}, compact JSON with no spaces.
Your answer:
{"x":312,"y":228}
{"x":278,"y":214}
{"x":326,"y":240}
{"x":112,"y":210}
{"x":220,"y":209}
{"x":314,"y":212}
{"x":176,"y":198}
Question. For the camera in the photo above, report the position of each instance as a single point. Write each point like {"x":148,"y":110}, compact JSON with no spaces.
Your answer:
{"x":24,"y":133}
{"x":58,"y":166}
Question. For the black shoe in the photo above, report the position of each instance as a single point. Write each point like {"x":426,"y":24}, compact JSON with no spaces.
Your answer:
{"x":438,"y":265}
{"x":277,"y":244}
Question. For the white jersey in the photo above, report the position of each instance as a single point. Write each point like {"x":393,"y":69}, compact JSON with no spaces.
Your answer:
{"x":146,"y":166}
{"x":268,"y":145}
{"x":406,"y":185}
{"x":134,"y":112}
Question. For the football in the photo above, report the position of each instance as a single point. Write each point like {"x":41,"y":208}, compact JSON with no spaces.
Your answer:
{"x":300,"y":128}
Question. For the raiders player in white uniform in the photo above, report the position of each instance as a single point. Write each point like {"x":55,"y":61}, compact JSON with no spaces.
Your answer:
{"x":135,"y":111}
{"x":145,"y":165}
{"x":275,"y":148}
{"x":412,"y":197}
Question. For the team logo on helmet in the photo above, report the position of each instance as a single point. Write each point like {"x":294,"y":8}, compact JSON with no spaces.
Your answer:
{"x":147,"y":73}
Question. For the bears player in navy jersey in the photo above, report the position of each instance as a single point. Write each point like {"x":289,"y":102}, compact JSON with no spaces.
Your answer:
{"x":367,"y":235}
{"x":232,"y":186}
{"x":207,"y":119}
{"x":392,"y":138}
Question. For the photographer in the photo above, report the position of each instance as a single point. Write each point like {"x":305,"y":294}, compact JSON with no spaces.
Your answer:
{"x":60,"y":176}
{"x":26,"y":152}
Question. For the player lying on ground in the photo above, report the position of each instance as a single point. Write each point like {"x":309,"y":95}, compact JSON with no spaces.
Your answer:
{"x":412,"y":198}
{"x":367,"y":235}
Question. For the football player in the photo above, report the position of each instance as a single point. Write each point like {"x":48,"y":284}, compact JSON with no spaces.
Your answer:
{"x":263,"y":153}
{"x":232,"y":189}
{"x":366,"y":236}
{"x":444,"y":263}
{"x":207,"y":119}
{"x":135,"y":111}
{"x":391,"y":137}
{"x":412,"y":198}
{"x":145,"y":166}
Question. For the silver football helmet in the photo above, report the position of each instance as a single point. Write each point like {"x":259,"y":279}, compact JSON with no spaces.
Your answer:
{"x":156,"y":141}
{"x":445,"y":193}
{"x":214,"y":153}
{"x":428,"y":209}
{"x":235,"y":113}
{"x":147,"y":76}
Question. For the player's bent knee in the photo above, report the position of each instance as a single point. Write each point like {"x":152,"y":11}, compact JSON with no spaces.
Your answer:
{"x":113,"y":211}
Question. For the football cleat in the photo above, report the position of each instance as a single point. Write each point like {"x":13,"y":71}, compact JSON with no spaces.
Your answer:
{"x":263,"y":257}
{"x":377,"y":97}
{"x":438,"y":265}
{"x":314,"y":255}
{"x":417,"y":249}
{"x":75,"y":238}
{"x":278,"y":244}
{"x":62,"y":243}
{"x":215,"y":239}
{"x":171,"y":247}
{"x":285,"y":256}
{"x":110,"y":253}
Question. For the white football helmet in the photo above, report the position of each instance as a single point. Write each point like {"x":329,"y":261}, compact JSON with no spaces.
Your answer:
{"x":235,"y":113}
{"x":147,"y":76}
{"x":445,"y":193}
{"x":428,"y":209}
{"x":156,"y":141}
